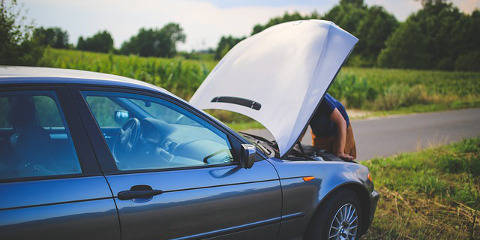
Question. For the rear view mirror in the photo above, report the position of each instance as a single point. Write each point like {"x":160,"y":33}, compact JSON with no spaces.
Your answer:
{"x":247,"y":156}
{"x":121,"y":117}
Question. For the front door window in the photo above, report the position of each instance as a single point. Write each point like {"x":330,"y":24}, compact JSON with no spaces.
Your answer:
{"x":149,"y":133}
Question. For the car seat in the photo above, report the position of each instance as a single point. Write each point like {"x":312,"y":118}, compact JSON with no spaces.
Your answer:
{"x":30,"y":143}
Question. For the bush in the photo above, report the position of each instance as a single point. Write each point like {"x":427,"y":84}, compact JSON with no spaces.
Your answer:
{"x":468,"y":62}
{"x":16,"y":44}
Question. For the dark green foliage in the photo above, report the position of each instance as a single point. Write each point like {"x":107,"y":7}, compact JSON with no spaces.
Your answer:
{"x":287,"y":17}
{"x":155,"y":42}
{"x":373,"y":30}
{"x":438,"y":36}
{"x":100,"y":42}
{"x":225,"y":44}
{"x":406,"y":48}
{"x":16,"y":44}
{"x":372,"y":25}
{"x":468,"y":62}
{"x":53,"y":37}
{"x":347,"y":14}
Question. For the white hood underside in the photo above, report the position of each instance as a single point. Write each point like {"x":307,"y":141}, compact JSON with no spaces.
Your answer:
{"x":278,"y":76}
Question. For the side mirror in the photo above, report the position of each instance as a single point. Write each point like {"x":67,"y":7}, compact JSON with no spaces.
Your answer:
{"x":247,"y":156}
{"x":121,"y":117}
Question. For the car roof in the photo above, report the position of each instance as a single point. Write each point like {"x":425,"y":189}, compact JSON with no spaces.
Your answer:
{"x":42,"y":75}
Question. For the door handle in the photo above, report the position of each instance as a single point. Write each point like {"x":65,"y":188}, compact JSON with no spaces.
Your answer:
{"x":138,"y":191}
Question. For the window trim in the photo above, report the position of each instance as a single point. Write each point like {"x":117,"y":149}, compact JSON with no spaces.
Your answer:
{"x":66,"y":108}
{"x":107,"y":162}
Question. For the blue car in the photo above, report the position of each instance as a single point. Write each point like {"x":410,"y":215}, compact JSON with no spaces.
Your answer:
{"x":87,"y":155}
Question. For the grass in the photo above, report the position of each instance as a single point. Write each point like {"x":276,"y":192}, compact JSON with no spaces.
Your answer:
{"x":432,"y":194}
{"x":379,"y":91}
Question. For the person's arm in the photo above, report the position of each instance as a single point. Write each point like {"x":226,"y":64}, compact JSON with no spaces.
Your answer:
{"x":338,"y":119}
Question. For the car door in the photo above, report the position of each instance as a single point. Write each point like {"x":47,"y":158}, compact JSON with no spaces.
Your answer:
{"x":50,"y":183}
{"x":175,"y":174}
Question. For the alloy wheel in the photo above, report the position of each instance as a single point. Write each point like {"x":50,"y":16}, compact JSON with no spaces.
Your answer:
{"x":344,"y":225}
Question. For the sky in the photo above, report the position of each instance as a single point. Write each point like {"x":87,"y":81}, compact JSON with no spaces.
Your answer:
{"x":203,"y":21}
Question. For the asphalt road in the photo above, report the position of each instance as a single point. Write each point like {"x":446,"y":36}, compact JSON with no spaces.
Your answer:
{"x":392,"y":135}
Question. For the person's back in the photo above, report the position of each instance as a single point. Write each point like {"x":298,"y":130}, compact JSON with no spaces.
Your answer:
{"x":331,"y":129}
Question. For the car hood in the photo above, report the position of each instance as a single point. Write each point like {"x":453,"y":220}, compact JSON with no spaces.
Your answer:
{"x":278,"y":76}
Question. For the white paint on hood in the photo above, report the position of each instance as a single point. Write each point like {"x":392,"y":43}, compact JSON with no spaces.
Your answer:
{"x":284,"y":70}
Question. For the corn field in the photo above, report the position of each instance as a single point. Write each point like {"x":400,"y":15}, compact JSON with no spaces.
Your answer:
{"x":361,"y":88}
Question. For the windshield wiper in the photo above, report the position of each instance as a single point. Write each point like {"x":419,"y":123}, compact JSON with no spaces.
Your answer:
{"x":271,"y":144}
{"x":259,"y":138}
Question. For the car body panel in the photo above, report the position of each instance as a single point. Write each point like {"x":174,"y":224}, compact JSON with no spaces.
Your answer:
{"x":227,"y":199}
{"x":43,"y":75}
{"x":304,"y":197}
{"x":278,"y":76}
{"x":33,"y":193}
{"x":71,"y":208}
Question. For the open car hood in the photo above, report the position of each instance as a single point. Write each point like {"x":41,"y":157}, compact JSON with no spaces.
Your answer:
{"x":278,"y":76}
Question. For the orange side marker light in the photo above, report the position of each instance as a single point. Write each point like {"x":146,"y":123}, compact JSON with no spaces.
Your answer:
{"x":306,"y":179}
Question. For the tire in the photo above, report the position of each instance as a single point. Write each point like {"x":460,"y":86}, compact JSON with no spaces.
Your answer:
{"x":323,"y":224}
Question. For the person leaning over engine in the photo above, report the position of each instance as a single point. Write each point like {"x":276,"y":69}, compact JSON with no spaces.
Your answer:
{"x":331,"y":129}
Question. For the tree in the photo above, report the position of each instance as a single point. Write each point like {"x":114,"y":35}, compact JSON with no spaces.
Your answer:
{"x":373,"y":31}
{"x":225,"y":44}
{"x":406,"y":48}
{"x":53,"y":37}
{"x":435,"y":37}
{"x":285,"y":18}
{"x":348,"y":14}
{"x":155,"y":42}
{"x":102,"y":41}
{"x":16,"y":44}
{"x":469,"y":50}
{"x":356,"y":3}
{"x":372,"y":25}
{"x":228,"y":42}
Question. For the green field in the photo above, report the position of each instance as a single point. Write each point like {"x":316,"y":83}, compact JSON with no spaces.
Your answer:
{"x":177,"y":75}
{"x":433,"y":194}
{"x":383,"y":91}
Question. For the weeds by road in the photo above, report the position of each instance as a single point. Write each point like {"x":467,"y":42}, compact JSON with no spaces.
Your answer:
{"x":433,"y":194}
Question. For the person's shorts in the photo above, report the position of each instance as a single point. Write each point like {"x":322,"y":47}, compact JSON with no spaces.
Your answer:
{"x":328,"y":143}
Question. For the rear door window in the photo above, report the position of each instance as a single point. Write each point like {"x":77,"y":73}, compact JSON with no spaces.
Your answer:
{"x":34,"y":138}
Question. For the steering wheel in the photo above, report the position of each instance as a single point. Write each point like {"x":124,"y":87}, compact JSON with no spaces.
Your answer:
{"x":205,"y":159}
{"x":128,"y":138}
